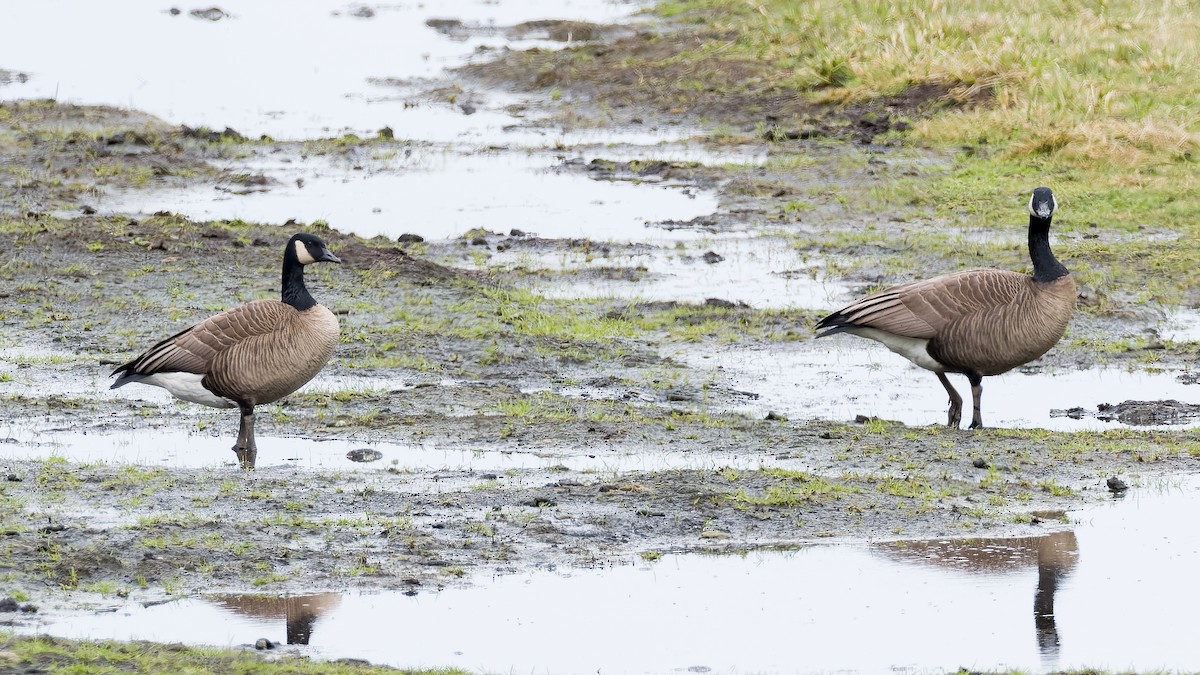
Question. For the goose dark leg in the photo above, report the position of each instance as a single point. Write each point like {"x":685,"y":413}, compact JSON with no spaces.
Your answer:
{"x":955,"y":402}
{"x":245,"y":448}
{"x":976,"y":392}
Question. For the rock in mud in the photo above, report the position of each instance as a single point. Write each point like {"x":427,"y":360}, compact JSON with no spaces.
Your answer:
{"x":264,"y":643}
{"x":209,"y":14}
{"x":1137,"y":413}
{"x":558,"y":30}
{"x":8,"y":605}
{"x":1116,"y":485}
{"x":452,"y":28}
{"x":211,"y":136}
{"x":364,"y":455}
{"x":683,"y":393}
{"x":725,"y":304}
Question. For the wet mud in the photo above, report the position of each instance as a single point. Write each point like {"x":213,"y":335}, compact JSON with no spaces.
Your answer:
{"x":443,"y":349}
{"x":1140,"y":413}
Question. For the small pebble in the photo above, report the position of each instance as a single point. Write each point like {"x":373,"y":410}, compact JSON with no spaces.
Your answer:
{"x":364,"y":455}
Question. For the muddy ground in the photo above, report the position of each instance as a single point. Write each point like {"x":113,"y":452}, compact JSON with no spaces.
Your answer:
{"x":460,"y":357}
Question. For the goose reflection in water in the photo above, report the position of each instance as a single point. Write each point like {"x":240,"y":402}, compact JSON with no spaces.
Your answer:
{"x":301,"y":612}
{"x":1055,"y":555}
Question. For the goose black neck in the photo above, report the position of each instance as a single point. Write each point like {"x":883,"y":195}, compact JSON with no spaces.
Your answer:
{"x":294,"y":292}
{"x":1045,"y":266}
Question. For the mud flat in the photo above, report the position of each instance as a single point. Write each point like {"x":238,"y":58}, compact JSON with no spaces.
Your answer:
{"x":612,"y":370}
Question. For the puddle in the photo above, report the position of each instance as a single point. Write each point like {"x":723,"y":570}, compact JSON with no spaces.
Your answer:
{"x":320,"y":84}
{"x":763,"y":272}
{"x":345,"y":82}
{"x":837,"y":379}
{"x":442,"y":196}
{"x":1103,"y":594}
{"x":1181,"y":326}
{"x":202,"y":449}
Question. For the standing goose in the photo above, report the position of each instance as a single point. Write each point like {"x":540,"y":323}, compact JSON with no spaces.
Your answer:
{"x":977,"y":322}
{"x":252,"y":354}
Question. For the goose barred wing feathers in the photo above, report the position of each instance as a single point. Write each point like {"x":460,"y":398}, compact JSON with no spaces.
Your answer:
{"x":922,"y":309}
{"x":193,"y":350}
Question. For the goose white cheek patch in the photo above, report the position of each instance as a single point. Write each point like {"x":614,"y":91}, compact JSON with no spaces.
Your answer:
{"x":303,"y":255}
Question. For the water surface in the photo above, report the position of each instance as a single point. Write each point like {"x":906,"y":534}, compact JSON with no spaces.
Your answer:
{"x":1104,"y":593}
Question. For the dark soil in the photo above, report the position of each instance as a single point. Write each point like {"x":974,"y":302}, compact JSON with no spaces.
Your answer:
{"x":630,"y":72}
{"x":1140,"y":413}
{"x":102,"y":288}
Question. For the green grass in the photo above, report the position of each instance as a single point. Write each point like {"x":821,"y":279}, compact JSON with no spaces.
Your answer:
{"x":792,"y":488}
{"x":87,"y":657}
{"x":1113,"y":80}
{"x":1096,"y":100}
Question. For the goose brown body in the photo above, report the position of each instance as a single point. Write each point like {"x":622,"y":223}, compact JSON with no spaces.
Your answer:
{"x":256,"y":353}
{"x":986,"y":321}
{"x":977,"y":322}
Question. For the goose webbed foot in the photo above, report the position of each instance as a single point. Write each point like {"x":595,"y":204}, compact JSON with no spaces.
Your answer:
{"x":955,"y":416}
{"x":246,"y":456}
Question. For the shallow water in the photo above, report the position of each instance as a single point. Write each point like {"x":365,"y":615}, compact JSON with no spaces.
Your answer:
{"x":442,"y":196}
{"x":1104,"y":593}
{"x":842,"y":377}
{"x":289,"y":70}
{"x":1183,"y":325}
{"x":200,"y":449}
{"x":1111,"y":592}
{"x":764,"y":272}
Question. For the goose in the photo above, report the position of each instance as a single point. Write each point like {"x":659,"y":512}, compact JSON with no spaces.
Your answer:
{"x":256,"y":353}
{"x":976,"y":322}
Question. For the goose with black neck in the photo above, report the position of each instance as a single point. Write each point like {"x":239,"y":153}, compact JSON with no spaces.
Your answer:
{"x":252,"y":354}
{"x":977,"y":322}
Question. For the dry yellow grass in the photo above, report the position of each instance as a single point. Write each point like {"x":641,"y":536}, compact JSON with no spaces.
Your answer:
{"x":1109,"y":80}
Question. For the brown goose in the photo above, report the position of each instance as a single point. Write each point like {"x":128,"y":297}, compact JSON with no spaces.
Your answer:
{"x":978,"y":322}
{"x":256,"y":353}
